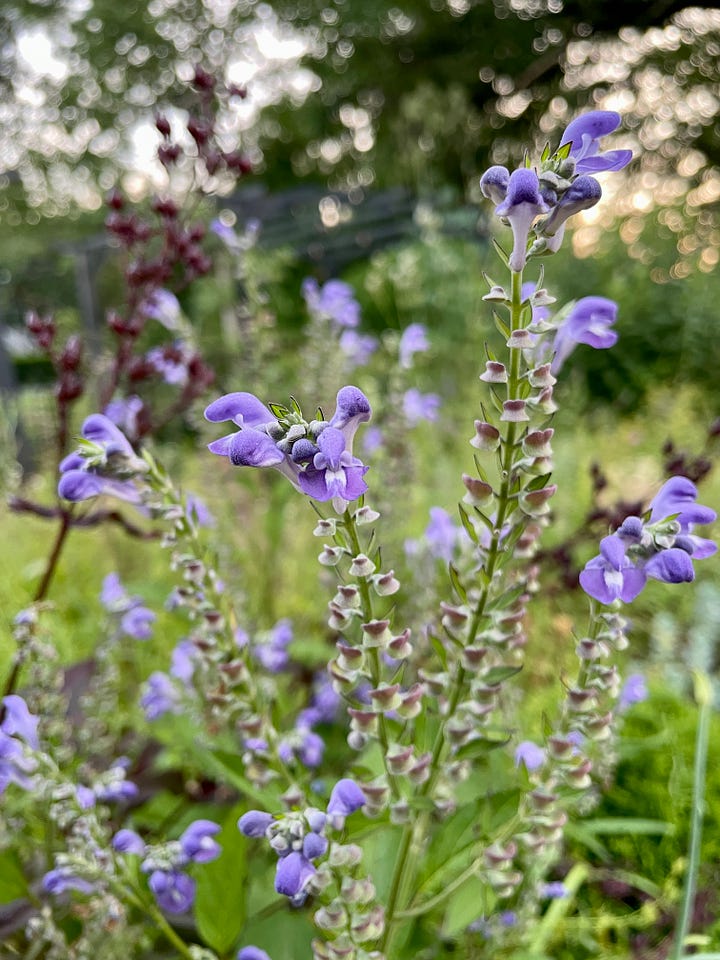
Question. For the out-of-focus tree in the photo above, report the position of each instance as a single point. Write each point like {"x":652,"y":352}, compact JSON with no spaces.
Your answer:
{"x":422,"y":92}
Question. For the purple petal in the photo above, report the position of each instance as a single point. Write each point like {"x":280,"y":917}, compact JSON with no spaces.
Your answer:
{"x":590,"y":126}
{"x":352,"y":408}
{"x":314,"y":845}
{"x":19,"y":721}
{"x":671,"y":566}
{"x":634,"y":579}
{"x":251,"y":448}
{"x":197,"y":842}
{"x":610,"y":160}
{"x":593,"y":582}
{"x":244,"y":409}
{"x":101,"y":430}
{"x":221,"y":446}
{"x":494,"y":183}
{"x":254,"y":823}
{"x":346,"y":797}
{"x":252,"y":953}
{"x":613,"y":550}
{"x":678,"y":495}
{"x":174,"y":891}
{"x":293,"y":873}
{"x":127,"y":841}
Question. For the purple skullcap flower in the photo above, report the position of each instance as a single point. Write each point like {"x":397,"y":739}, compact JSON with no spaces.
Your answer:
{"x":81,"y":481}
{"x":197,"y":841}
{"x":18,"y":721}
{"x":584,"y":132}
{"x":125,"y":414}
{"x":612,"y":576}
{"x":171,"y":362}
{"x":677,"y":496}
{"x":588,"y":322}
{"x":372,"y":440}
{"x":335,"y":301}
{"x":583,"y":193}
{"x":521,"y":206}
{"x":420,"y":406}
{"x":254,"y":823}
{"x":244,"y":409}
{"x":334,"y":473}
{"x":163,"y":306}
{"x":173,"y":890}
{"x":529,"y":754}
{"x":160,"y":696}
{"x":182,"y":661}
{"x":556,"y":890}
{"x":196,"y":509}
{"x":252,"y":953}
{"x":127,"y":841}
{"x":508,"y":918}
{"x":357,"y":347}
{"x":345,"y":798}
{"x":85,"y":797}
{"x":293,"y":874}
{"x":314,"y":845}
{"x":113,"y":595}
{"x":671,"y":566}
{"x":442,"y":534}
{"x":352,"y":408}
{"x":62,"y":879}
{"x":15,"y":765}
{"x":311,"y":749}
{"x":413,"y":340}
{"x":633,"y":691}
{"x":137,"y":622}
{"x":494,"y":183}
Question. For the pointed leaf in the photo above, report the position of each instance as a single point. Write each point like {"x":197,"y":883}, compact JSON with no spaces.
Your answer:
{"x":456,"y":583}
{"x":220,"y":901}
{"x":467,"y":523}
{"x":500,"y":674}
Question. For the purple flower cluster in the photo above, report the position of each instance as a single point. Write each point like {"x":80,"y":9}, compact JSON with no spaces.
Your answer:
{"x":18,"y":731}
{"x":165,"y":865}
{"x":334,"y":301}
{"x":662,"y":547}
{"x":316,"y":457}
{"x":544,"y":201}
{"x":105,"y":457}
{"x":162,"y":694}
{"x":299,"y":839}
{"x":135,"y":619}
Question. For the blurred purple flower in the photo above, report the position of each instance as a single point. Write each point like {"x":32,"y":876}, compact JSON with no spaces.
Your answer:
{"x":555,"y":890}
{"x":634,"y":690}
{"x":83,"y":478}
{"x":173,"y":890}
{"x":357,"y":347}
{"x":252,"y":953}
{"x":345,"y":798}
{"x":413,"y":340}
{"x":254,"y":823}
{"x":334,"y":301}
{"x":420,"y":406}
{"x":197,"y":841}
{"x":127,"y":841}
{"x":62,"y":879}
{"x":530,"y":755}
{"x":163,"y":306}
{"x":372,"y":440}
{"x":588,"y":322}
{"x":293,"y":874}
{"x":160,"y":696}
{"x":125,"y":413}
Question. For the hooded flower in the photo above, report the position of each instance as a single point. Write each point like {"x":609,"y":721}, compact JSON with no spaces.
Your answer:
{"x":585,"y":132}
{"x":521,"y":207}
{"x":588,"y":322}
{"x":106,"y":453}
{"x":335,"y":300}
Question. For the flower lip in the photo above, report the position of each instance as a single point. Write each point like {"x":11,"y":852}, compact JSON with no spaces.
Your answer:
{"x":244,"y":409}
{"x":584,"y":132}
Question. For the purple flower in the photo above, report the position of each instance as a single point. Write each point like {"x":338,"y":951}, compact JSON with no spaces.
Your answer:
{"x":585,"y":132}
{"x":611,"y":575}
{"x":420,"y":406}
{"x":494,"y":183}
{"x":357,"y":347}
{"x":588,"y":322}
{"x":352,"y":408}
{"x":521,"y":206}
{"x":125,"y":413}
{"x":372,"y":440}
{"x":197,"y":510}
{"x":160,"y":696}
{"x":182,"y":661}
{"x":345,"y":798}
{"x":583,"y":193}
{"x":197,"y":841}
{"x":62,"y":879}
{"x":252,"y":953}
{"x":334,"y":301}
{"x":555,"y":890}
{"x":86,"y":477}
{"x":137,"y":622}
{"x":442,"y":534}
{"x":529,"y":754}
{"x":15,"y":765}
{"x":254,"y":823}
{"x":18,"y":721}
{"x":677,"y":496}
{"x":127,"y":841}
{"x":273,"y":654}
{"x":173,"y":890}
{"x":334,"y":473}
{"x":634,"y":690}
{"x":85,"y":797}
{"x":293,"y":874}
{"x":171,"y":363}
{"x":163,"y":306}
{"x":413,"y":340}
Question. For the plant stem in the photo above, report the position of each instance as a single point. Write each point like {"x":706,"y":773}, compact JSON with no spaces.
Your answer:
{"x":412,"y":835}
{"x":703,"y":695}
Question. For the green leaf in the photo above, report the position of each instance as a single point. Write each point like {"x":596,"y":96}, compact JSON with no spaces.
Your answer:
{"x":440,"y":650}
{"x":467,"y":904}
{"x":455,"y":831}
{"x":220,"y":901}
{"x":501,"y":325}
{"x":545,"y":155}
{"x":231,"y":767}
{"x":279,"y":411}
{"x":506,"y":598}
{"x":13,"y":884}
{"x":456,"y":583}
{"x":537,"y":483}
{"x":467,"y":523}
{"x":629,"y":826}
{"x":500,"y":674}
{"x":481,"y":746}
{"x":296,"y":406}
{"x":501,"y":253}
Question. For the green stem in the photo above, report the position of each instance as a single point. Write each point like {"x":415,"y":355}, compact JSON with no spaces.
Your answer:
{"x":405,"y":862}
{"x":374,"y":654}
{"x":703,"y":695}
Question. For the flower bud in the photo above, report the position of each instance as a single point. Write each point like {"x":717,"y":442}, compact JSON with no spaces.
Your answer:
{"x":400,"y":647}
{"x":361,"y":566}
{"x":521,"y":340}
{"x":535,"y":502}
{"x":386,"y":697}
{"x":514,"y":411}
{"x":487,"y":437}
{"x":494,"y":372}
{"x":479,"y":493}
{"x":541,"y":377}
{"x":385,"y":584}
{"x":375,"y":633}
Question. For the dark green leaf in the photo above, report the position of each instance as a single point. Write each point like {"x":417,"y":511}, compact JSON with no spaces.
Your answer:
{"x":456,"y":583}
{"x":220,"y":902}
{"x":467,"y":523}
{"x":500,"y":674}
{"x":537,"y":483}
